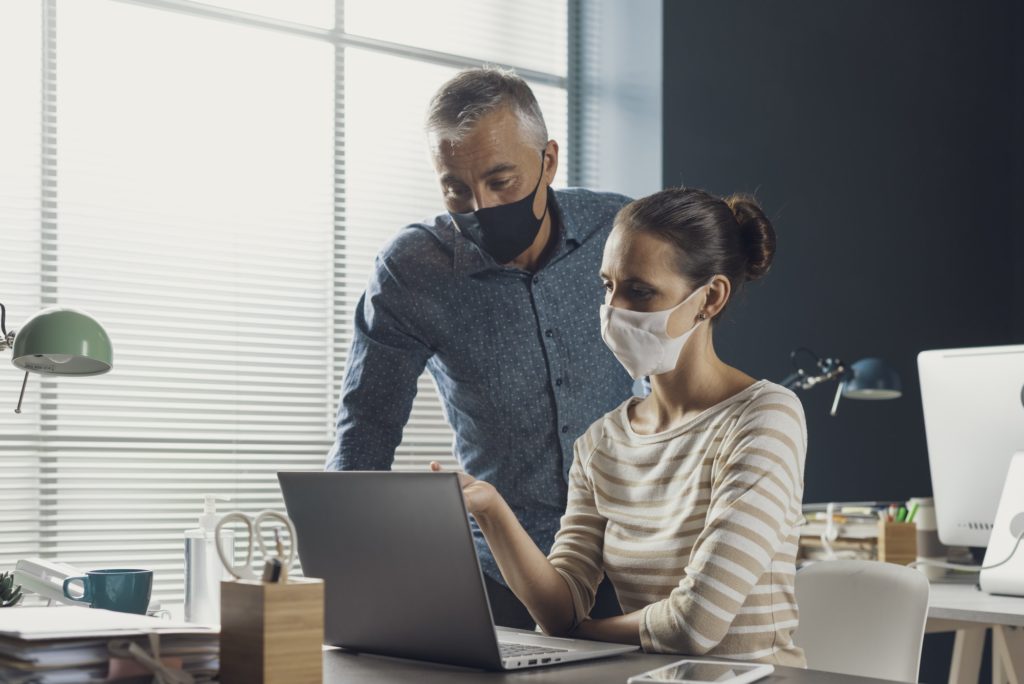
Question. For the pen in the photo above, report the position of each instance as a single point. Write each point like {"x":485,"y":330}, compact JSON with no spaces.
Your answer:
{"x":282,"y":574}
{"x":913,"y":512}
{"x":901,"y":515}
{"x":892,"y":512}
{"x":277,"y":542}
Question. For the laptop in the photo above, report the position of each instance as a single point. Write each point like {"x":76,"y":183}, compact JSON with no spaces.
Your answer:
{"x":401,"y":573}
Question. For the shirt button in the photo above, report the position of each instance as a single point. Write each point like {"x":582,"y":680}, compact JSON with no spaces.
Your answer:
{"x":536,"y":279}
{"x":549,"y":332}
{"x":565,"y":429}
{"x":558,"y":382}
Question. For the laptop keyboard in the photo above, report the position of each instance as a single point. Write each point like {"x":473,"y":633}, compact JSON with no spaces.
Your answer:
{"x":515,"y":650}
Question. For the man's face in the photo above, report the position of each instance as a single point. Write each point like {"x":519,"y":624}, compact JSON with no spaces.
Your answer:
{"x":494,"y":164}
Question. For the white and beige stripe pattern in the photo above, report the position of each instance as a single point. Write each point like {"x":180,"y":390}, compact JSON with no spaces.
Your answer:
{"x":695,"y":526}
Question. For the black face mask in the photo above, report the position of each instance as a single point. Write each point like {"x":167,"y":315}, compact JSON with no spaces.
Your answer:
{"x":505,"y":231}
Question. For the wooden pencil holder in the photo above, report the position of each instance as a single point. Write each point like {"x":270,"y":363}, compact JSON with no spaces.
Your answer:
{"x":897,"y":542}
{"x":271,"y":632}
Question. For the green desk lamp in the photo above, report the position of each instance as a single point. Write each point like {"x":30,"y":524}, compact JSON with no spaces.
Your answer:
{"x":57,"y":341}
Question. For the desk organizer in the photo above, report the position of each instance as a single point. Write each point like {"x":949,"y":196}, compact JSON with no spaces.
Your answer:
{"x":271,"y":633}
{"x":897,"y":542}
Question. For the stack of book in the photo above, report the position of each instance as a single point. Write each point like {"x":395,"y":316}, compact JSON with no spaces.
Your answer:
{"x":83,"y":645}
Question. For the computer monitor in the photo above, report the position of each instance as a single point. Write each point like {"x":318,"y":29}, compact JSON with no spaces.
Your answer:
{"x":973,"y":402}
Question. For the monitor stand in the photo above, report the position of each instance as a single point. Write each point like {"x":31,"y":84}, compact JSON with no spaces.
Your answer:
{"x":1009,"y":524}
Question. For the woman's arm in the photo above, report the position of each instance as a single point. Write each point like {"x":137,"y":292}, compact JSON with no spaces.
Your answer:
{"x":621,"y":629}
{"x":524,"y":566}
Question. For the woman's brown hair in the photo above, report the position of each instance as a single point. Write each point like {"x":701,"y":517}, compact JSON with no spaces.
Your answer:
{"x":711,"y":235}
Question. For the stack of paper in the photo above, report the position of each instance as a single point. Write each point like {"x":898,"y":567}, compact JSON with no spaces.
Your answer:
{"x":854,"y":520}
{"x":70,"y":644}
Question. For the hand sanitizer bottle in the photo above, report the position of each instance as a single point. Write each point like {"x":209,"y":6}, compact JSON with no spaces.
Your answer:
{"x":203,"y":568}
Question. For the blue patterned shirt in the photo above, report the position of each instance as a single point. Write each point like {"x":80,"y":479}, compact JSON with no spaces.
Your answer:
{"x":517,"y":357}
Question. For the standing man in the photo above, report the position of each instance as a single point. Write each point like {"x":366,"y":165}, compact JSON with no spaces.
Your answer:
{"x":499,"y":299}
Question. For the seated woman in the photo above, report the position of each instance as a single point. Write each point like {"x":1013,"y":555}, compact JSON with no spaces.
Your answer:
{"x":688,"y":498}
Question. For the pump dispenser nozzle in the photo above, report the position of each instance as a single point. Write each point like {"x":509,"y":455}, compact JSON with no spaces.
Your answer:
{"x":209,"y":519}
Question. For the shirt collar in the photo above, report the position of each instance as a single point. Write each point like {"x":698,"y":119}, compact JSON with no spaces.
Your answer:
{"x":568,"y":221}
{"x":470,"y":259}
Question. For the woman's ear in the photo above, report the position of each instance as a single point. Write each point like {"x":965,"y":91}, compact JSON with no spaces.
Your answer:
{"x":717,"y":296}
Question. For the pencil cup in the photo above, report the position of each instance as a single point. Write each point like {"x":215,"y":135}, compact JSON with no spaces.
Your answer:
{"x":929,"y":548}
{"x":897,"y":542}
{"x":271,"y":632}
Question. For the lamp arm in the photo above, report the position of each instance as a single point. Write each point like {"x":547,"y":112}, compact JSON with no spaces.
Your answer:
{"x":21,"y":397}
{"x":6,"y":342}
{"x":828,"y":369}
{"x":6,"y":338}
{"x":839,"y":395}
{"x":793,"y":381}
{"x":831,"y":369}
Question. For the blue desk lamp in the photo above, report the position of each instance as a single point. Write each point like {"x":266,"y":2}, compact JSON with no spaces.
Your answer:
{"x":870,"y":378}
{"x":57,"y":341}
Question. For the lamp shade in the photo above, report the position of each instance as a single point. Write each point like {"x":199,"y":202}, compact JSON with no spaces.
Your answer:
{"x":872,"y":378}
{"x":61,"y":341}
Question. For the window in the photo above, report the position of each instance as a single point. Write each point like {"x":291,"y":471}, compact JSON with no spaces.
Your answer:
{"x":212,"y":181}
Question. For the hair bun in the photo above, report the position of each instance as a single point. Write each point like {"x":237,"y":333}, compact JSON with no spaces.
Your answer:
{"x":756,"y":234}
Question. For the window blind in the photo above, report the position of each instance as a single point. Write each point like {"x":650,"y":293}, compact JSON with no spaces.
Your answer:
{"x":528,"y":34}
{"x":20,"y":190}
{"x":213,"y":186}
{"x":194,"y":214}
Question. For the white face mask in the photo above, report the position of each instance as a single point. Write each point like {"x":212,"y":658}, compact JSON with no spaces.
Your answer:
{"x":640,"y":339}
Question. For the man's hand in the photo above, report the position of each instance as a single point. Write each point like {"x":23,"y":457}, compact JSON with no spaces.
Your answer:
{"x":481,"y":497}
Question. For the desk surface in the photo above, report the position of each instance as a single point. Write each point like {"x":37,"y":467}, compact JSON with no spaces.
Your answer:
{"x":967,"y":603}
{"x":342,"y":667}
{"x":963,"y":602}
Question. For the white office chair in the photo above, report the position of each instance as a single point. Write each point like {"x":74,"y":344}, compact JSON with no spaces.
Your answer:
{"x":862,"y":618}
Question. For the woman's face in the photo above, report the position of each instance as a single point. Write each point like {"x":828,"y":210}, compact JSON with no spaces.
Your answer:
{"x":639,"y":273}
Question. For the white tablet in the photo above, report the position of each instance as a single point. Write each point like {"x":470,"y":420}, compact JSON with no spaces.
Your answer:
{"x":703,"y":671}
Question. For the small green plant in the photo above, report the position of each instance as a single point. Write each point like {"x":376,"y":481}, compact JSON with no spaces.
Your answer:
{"x":9,"y":594}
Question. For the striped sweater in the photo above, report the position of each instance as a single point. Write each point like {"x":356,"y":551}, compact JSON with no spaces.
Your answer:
{"x":695,"y":526}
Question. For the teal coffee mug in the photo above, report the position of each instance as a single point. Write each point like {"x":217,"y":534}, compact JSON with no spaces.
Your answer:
{"x":126,"y":591}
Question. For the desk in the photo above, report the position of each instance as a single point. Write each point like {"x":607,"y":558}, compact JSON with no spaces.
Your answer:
{"x":969,"y":612}
{"x":342,"y":667}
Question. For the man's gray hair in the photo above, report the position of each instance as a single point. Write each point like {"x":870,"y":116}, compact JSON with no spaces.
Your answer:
{"x":472,"y":94}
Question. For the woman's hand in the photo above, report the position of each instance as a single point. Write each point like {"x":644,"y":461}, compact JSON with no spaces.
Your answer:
{"x":525,"y":567}
{"x":481,"y":497}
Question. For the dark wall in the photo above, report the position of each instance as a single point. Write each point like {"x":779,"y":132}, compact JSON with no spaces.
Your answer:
{"x":879,"y":137}
{"x":1018,"y":175}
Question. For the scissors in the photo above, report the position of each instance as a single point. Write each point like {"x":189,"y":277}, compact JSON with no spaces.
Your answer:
{"x":254,"y":524}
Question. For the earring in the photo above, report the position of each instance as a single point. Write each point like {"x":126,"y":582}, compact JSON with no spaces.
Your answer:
{"x":702,"y":316}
